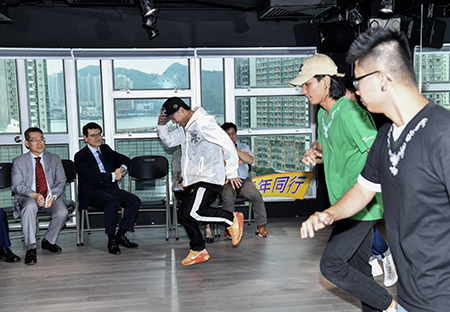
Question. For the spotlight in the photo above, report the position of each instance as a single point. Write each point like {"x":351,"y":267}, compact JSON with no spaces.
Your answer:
{"x":387,"y":6}
{"x":148,"y":8}
{"x":355,"y":17}
{"x":149,"y":24}
{"x":149,"y":11}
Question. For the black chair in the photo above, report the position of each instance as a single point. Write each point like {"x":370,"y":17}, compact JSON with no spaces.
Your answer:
{"x":71,"y":176}
{"x":147,"y":174}
{"x":5,"y":182}
{"x":83,"y":222}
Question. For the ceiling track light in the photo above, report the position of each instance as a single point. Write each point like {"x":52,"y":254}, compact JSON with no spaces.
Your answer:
{"x":148,"y":8}
{"x":355,"y":17}
{"x":387,"y":6}
{"x":149,"y":11}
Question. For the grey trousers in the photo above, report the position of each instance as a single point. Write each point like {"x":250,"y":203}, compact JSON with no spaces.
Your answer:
{"x":28,"y":214}
{"x":249,"y":191}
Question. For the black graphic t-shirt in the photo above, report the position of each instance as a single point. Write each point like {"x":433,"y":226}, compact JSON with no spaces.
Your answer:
{"x":414,"y":173}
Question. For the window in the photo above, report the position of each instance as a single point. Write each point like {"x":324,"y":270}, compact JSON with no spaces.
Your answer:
{"x":140,"y":115}
{"x":90,"y":104}
{"x":272,"y":112}
{"x":213,"y":97}
{"x":144,"y":74}
{"x":46,"y":95}
{"x":9,"y":109}
{"x":433,"y":74}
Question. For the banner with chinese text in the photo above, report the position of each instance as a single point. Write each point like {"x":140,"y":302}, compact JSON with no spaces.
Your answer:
{"x":287,"y":184}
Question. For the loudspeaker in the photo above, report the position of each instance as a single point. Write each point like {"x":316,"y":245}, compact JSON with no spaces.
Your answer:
{"x":336,"y":36}
{"x":432,"y":34}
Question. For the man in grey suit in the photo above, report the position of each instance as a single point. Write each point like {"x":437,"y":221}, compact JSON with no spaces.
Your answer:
{"x":37,"y":181}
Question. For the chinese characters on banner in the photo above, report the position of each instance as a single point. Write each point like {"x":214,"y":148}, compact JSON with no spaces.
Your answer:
{"x":287,"y":184}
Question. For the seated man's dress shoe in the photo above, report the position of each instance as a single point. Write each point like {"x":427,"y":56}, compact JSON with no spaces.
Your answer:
{"x":125,"y":242}
{"x":30,"y":257}
{"x":7,"y":255}
{"x":50,"y":247}
{"x":113,"y":247}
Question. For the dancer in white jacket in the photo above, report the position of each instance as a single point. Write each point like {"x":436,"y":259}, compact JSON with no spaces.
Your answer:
{"x":208,"y":161}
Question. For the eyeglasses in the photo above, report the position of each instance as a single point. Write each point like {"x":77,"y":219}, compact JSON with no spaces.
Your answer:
{"x":37,"y":140}
{"x":95,"y":135}
{"x":231,"y":133}
{"x":356,"y":80}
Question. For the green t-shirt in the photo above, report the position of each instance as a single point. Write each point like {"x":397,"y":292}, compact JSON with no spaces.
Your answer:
{"x":346,"y":133}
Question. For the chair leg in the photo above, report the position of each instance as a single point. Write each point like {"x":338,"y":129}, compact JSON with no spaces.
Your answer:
{"x":167,"y":220}
{"x":83,"y":217}
{"x":77,"y":221}
{"x":175,"y":219}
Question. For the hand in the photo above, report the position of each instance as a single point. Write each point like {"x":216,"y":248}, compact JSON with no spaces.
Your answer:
{"x":316,"y":222}
{"x":311,"y":155}
{"x":162,"y":118}
{"x":49,"y":202}
{"x":119,"y":173}
{"x":39,"y":199}
{"x":235,"y":182}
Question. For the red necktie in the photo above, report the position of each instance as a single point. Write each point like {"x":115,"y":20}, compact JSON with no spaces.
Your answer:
{"x":41,"y":182}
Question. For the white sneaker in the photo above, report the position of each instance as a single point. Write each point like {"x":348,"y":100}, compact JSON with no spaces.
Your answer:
{"x":376,"y":267}
{"x":390,"y":273}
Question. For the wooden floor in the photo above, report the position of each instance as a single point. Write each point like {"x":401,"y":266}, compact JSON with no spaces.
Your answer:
{"x":278,"y":273}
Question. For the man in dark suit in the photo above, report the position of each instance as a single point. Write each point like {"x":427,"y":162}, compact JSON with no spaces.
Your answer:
{"x":99,"y":169}
{"x":37,"y":181}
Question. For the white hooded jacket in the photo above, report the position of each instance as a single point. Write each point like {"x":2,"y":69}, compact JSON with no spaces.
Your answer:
{"x":204,"y":149}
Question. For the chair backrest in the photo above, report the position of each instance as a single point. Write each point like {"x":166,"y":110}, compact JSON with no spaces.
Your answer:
{"x":5,"y":175}
{"x":148,"y":167}
{"x":69,"y":169}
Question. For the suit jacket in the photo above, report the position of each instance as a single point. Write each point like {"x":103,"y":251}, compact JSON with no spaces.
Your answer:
{"x":89,"y":175}
{"x":22,"y":172}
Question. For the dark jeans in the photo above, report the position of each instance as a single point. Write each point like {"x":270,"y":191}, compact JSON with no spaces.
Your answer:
{"x":379,"y":246}
{"x":345,"y":263}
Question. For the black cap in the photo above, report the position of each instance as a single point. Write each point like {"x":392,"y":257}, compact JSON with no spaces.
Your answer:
{"x":171,"y":106}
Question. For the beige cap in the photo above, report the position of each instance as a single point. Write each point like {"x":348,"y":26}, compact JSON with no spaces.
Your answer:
{"x":318,"y":64}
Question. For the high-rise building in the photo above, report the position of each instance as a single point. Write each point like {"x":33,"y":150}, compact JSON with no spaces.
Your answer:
{"x":281,"y":153}
{"x":9,"y":99}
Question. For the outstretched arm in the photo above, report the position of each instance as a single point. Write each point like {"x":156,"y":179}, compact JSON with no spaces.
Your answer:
{"x":354,"y":200}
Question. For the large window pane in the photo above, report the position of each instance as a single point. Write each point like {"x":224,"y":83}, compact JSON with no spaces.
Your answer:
{"x":46,"y":95}
{"x":9,"y":98}
{"x":435,"y":67}
{"x":266,"y":72}
{"x":140,"y":115}
{"x":441,"y":98}
{"x":151,"y":74}
{"x":89,"y":92}
{"x":272,"y":112}
{"x":213,"y":100}
{"x":277,"y":153}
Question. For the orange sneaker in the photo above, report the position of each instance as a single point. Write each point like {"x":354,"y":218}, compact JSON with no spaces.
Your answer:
{"x":262,"y":231}
{"x":237,"y":228}
{"x":195,"y":257}
{"x":227,"y":235}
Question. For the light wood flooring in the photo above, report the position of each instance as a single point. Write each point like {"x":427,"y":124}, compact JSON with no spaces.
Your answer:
{"x":278,"y":273}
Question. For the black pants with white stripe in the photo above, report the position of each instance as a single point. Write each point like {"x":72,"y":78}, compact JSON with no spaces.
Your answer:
{"x":196,"y":208}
